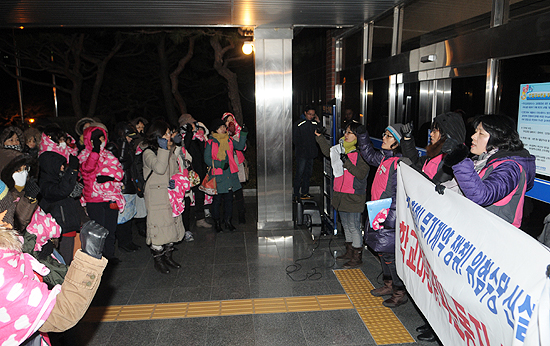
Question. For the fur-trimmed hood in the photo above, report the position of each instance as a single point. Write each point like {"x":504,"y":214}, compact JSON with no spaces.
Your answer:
{"x":6,"y":134}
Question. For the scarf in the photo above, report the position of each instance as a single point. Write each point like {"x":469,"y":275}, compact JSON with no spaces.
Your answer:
{"x":17,"y":147}
{"x":350,"y":146}
{"x":481,"y":160}
{"x":223,"y":139}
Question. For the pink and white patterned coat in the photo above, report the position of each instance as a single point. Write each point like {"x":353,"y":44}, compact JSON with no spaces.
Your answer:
{"x":25,"y":302}
{"x":46,"y":144}
{"x":93,"y":165}
{"x":177,"y":195}
{"x":44,"y":227}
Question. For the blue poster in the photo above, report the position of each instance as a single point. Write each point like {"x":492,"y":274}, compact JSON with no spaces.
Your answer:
{"x":534,"y":123}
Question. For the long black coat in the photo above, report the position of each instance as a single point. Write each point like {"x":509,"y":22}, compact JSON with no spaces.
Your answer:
{"x":55,"y":188}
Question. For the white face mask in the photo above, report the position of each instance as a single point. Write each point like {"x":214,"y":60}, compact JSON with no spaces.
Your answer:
{"x":62,"y":145}
{"x":20,"y":178}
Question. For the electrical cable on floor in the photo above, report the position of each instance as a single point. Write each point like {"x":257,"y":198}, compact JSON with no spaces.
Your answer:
{"x":311,"y":274}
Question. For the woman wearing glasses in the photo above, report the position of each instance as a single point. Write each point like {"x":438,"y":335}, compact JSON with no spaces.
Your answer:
{"x":381,"y":235}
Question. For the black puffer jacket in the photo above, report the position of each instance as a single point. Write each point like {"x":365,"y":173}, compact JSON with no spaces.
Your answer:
{"x":55,"y":188}
{"x":124,"y":152}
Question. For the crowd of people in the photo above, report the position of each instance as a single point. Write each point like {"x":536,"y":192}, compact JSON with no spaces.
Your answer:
{"x":494,"y":172}
{"x":66,"y":204}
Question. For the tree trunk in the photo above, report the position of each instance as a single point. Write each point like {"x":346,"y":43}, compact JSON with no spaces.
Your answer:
{"x":230,"y":76}
{"x":165,"y":82}
{"x":101,"y":66}
{"x":175,"y":75}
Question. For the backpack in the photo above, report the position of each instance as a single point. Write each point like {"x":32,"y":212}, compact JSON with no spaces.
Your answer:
{"x":137,"y":173}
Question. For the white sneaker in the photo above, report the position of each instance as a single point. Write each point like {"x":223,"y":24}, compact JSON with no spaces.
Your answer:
{"x":188,"y":236}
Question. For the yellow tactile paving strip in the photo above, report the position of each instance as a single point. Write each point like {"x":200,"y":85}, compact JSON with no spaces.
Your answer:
{"x":381,"y":322}
{"x":218,"y":308}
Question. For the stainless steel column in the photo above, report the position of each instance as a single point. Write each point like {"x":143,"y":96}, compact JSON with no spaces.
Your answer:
{"x":273,"y":54}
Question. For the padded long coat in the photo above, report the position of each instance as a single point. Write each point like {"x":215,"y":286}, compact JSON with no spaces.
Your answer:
{"x":162,"y":228}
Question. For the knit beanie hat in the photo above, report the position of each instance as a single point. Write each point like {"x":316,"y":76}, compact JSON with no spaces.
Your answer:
{"x":216,"y":123}
{"x":395,"y":130}
{"x":7,"y":207}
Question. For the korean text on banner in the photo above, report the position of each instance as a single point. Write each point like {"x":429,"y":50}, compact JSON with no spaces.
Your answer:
{"x":476,"y":278}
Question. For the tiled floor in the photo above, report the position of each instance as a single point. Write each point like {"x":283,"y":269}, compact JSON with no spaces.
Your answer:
{"x":243,"y":265}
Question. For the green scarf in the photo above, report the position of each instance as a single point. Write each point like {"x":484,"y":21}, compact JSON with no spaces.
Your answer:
{"x":349,"y":146}
{"x":223,"y":138}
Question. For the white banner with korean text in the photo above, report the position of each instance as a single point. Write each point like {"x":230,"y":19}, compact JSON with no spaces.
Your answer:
{"x":477,"y":279}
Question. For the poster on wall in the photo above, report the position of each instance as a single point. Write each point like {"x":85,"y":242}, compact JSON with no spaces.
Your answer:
{"x":534,"y":123}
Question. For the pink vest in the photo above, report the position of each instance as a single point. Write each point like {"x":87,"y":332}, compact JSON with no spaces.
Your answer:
{"x":232,"y":164}
{"x":348,"y":183}
{"x":510,"y":208}
{"x":431,"y":166}
{"x":380,"y":183}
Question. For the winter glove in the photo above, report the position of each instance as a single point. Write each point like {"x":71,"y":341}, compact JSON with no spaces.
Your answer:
{"x":163,"y":143}
{"x":244,"y":129}
{"x":177,"y":139}
{"x":344,"y":158}
{"x":103,"y":179}
{"x":225,"y":165}
{"x":31,"y":189}
{"x":47,"y":250}
{"x":96,"y":142}
{"x":406,"y":130}
{"x":440,"y":189}
{"x":321,"y":130}
{"x":361,"y":129}
{"x":449,"y":145}
{"x":172,"y":184}
{"x":459,"y":153}
{"x":92,"y":237}
{"x":73,"y":163}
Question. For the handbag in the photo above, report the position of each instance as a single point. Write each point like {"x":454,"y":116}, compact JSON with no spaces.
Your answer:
{"x":193,"y":177}
{"x":209,"y":185}
{"x":243,"y":169}
{"x":243,"y":172}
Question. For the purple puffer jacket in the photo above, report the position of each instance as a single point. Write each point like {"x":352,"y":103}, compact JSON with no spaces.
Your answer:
{"x":500,"y":182}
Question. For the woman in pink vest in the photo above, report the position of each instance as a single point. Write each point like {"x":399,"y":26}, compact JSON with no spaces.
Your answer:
{"x":350,"y":173}
{"x":447,"y":131}
{"x":381,"y":236}
{"x":219,"y":155}
{"x":500,"y":172}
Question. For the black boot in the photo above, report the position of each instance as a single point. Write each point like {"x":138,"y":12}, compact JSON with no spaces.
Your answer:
{"x":141,"y":225}
{"x":158,"y":257}
{"x":229,"y":226}
{"x":168,"y":249}
{"x":218,"y":226}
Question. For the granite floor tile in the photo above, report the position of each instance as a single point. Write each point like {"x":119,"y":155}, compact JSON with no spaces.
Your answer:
{"x":226,"y":255}
{"x":190,"y":294}
{"x":188,"y":332}
{"x":337,"y":327}
{"x":235,"y":291}
{"x":230,"y":274}
{"x":279,"y":330}
{"x":230,"y":330}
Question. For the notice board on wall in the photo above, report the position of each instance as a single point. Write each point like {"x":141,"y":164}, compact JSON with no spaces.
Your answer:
{"x":534,"y":123}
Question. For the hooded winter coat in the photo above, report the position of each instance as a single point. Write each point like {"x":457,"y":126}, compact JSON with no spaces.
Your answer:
{"x":25,"y":207}
{"x":453,"y":126}
{"x":93,"y":165}
{"x":6,"y":154}
{"x":55,"y":188}
{"x":162,"y":228}
{"x":502,"y":189}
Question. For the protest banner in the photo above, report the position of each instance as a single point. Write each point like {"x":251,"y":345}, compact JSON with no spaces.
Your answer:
{"x":476,"y":278}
